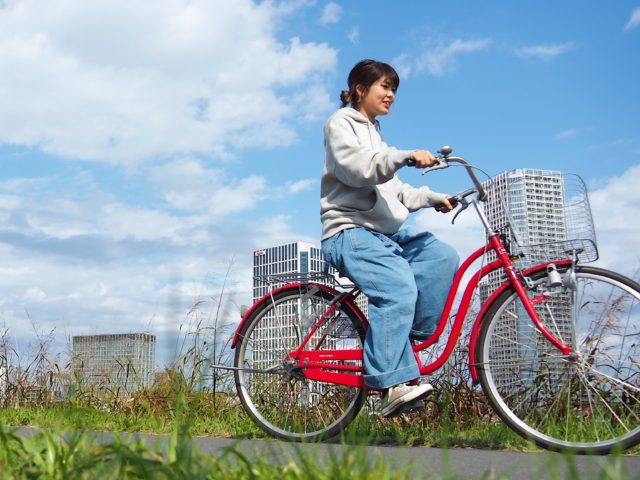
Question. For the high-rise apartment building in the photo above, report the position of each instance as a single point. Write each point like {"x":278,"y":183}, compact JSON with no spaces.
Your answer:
{"x":274,"y":266}
{"x":541,"y":205}
{"x":124,"y":361}
{"x":535,"y":201}
{"x":296,"y":258}
{"x":548,"y":209}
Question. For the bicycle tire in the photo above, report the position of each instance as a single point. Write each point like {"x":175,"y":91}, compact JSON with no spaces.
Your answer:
{"x":285,"y":404}
{"x":587,"y":406}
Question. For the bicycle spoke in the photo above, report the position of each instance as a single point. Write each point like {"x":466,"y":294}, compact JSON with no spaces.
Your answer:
{"x":553,"y":321}
{"x":603,"y":401}
{"x":588,"y":404}
{"x":289,"y":405}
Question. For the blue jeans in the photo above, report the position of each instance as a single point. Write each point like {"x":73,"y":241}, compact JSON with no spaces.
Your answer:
{"x":406,"y":278}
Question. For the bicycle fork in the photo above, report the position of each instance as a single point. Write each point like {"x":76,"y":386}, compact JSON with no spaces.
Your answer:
{"x":530,"y":303}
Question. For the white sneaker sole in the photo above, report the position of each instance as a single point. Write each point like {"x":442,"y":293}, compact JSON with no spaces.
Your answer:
{"x":415,"y":395}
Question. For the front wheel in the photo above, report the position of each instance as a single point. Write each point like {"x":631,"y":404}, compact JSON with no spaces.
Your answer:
{"x":273,"y":390}
{"x":587,"y":405}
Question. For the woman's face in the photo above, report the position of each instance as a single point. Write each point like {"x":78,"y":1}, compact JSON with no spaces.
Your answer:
{"x":377,"y":99}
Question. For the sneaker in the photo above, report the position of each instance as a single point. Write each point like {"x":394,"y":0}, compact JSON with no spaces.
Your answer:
{"x":397,"y":396}
{"x":409,"y":407}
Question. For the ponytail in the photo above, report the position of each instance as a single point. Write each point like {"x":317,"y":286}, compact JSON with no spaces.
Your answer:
{"x":345,"y":97}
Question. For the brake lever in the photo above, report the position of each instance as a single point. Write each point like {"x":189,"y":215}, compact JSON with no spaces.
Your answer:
{"x":441,"y":163}
{"x":463,"y":206}
{"x":453,"y":220}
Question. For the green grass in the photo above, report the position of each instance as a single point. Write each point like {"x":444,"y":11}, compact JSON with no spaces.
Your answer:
{"x":236,"y":424}
{"x":228,"y":424}
{"x":51,"y":455}
{"x":222,"y":416}
{"x":204,"y":420}
{"x":230,"y":421}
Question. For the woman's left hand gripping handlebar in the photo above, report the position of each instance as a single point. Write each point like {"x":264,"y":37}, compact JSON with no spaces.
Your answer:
{"x":446,"y":205}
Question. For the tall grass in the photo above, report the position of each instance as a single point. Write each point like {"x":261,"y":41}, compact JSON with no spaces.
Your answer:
{"x":192,"y":399}
{"x":68,"y":456}
{"x":51,"y":454}
{"x":456,"y":415}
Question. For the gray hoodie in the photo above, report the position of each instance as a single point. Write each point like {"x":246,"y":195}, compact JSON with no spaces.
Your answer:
{"x":359,"y":183}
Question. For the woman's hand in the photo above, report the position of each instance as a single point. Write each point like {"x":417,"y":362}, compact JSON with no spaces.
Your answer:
{"x":447,"y":205}
{"x":422,"y":158}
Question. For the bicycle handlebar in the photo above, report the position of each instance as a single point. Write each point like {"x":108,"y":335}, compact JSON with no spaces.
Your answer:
{"x":443,"y":161}
{"x":456,"y":199}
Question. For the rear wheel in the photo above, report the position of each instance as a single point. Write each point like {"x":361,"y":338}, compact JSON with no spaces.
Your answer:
{"x":275,"y":392}
{"x":588,"y":405}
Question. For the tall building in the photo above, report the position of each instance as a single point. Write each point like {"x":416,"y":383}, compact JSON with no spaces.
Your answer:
{"x":535,"y":201}
{"x":291,"y":259}
{"x":548,"y":215}
{"x":296,"y":258}
{"x":280,"y":330}
{"x":549,"y":211}
{"x":124,"y":361}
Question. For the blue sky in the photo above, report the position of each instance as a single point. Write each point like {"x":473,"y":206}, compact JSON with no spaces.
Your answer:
{"x":146,"y":149}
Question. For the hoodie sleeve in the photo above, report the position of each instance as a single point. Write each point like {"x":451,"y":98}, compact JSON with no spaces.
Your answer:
{"x":356,"y":164}
{"x":417,"y":198}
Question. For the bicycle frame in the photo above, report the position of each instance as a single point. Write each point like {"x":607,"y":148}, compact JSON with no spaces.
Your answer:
{"x":316,"y":364}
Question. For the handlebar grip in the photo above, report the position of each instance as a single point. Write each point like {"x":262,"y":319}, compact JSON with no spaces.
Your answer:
{"x":440,"y":206}
{"x":456,"y":199}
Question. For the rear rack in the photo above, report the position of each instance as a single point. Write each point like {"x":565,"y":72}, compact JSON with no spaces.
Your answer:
{"x":308,"y":277}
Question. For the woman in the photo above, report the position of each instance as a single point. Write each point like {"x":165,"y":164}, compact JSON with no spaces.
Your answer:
{"x":406,"y":276}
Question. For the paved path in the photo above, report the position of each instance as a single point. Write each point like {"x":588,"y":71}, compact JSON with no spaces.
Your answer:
{"x":426,"y":462}
{"x":455,"y":462}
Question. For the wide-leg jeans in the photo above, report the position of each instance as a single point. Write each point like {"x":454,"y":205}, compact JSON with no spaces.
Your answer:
{"x":406,"y":278}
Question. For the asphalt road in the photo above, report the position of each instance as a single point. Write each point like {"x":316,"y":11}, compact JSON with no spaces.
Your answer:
{"x":425,"y":462}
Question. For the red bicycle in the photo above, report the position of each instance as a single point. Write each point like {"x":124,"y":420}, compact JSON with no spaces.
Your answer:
{"x":555,"y":347}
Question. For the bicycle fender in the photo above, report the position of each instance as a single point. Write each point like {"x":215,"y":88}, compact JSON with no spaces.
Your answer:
{"x":480,"y":317}
{"x":293,"y":286}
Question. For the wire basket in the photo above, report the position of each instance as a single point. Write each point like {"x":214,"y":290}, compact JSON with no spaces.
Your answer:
{"x":546,"y":214}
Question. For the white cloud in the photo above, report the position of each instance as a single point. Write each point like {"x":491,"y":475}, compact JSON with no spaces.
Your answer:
{"x":613,"y":205}
{"x":235,"y":197}
{"x":441,"y":58}
{"x":466,"y":235}
{"x":354,"y":35}
{"x":331,"y":13}
{"x":96,"y":264}
{"x":186,"y":183}
{"x":312,"y":103}
{"x":634,"y":21}
{"x":189,"y":186}
{"x":34,"y":293}
{"x":545,"y":52}
{"x":402,"y":64}
{"x":301,"y":185}
{"x":122,"y":82}
{"x":571,"y":132}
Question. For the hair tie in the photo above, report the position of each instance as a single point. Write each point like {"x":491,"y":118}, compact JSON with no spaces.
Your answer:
{"x":345,"y":97}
